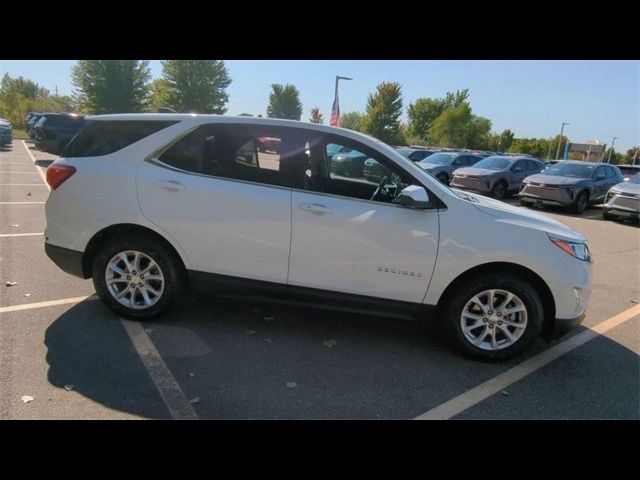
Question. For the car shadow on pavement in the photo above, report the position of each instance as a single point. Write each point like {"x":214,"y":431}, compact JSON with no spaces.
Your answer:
{"x":242,"y":360}
{"x":88,"y":349}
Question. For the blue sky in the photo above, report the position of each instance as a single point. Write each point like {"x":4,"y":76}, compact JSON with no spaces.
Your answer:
{"x":600,"y":99}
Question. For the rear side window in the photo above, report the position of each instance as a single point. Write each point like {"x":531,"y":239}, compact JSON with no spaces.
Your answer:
{"x":104,"y":137}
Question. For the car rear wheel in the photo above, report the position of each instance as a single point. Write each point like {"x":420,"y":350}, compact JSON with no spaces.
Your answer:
{"x":499,"y":191}
{"x":137,"y":278}
{"x":494,"y":316}
{"x":581,"y":203}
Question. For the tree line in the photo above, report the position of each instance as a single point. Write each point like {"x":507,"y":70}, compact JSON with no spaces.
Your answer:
{"x":200,"y":86}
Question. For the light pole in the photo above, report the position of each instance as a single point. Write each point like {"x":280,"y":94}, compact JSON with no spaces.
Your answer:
{"x":611,"y":149}
{"x":560,"y":140}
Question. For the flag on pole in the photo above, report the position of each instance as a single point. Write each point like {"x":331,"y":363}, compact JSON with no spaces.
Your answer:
{"x":335,"y":112}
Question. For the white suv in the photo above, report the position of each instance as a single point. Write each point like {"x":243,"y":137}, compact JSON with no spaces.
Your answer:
{"x":150,"y":204}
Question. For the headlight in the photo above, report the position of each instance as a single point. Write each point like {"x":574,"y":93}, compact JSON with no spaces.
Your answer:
{"x":577,"y":250}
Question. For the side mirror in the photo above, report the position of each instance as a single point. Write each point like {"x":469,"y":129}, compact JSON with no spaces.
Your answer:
{"x":600,"y":176}
{"x":515,"y":169}
{"x":414,"y":196}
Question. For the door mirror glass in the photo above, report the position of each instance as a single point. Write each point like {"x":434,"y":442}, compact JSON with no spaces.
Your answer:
{"x":414,"y":196}
{"x":600,"y":175}
{"x":516,"y":168}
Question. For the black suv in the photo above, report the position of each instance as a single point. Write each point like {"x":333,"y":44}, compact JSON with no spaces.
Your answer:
{"x":54,"y":130}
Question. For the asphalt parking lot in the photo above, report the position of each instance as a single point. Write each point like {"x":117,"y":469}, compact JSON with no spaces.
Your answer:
{"x":63,"y":355}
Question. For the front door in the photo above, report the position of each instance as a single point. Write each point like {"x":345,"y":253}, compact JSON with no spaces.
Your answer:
{"x":348,"y":238}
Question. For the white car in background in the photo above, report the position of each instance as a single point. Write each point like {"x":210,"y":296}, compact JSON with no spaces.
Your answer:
{"x":149,"y":205}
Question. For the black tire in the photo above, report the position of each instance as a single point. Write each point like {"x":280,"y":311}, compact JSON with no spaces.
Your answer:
{"x":452,"y":312}
{"x":499,"y":190}
{"x":171,"y":268}
{"x":524,"y":203}
{"x":581,"y":203}
{"x":607,"y":216}
{"x":443,"y":178}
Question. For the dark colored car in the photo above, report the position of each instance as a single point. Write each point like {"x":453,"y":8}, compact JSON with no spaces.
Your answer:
{"x":54,"y":130}
{"x":375,"y":172}
{"x":571,"y":184}
{"x":31,"y":123}
{"x":442,"y":164}
{"x":496,"y":175}
{"x":6,"y":133}
{"x":347,"y":162}
{"x":629,"y":171}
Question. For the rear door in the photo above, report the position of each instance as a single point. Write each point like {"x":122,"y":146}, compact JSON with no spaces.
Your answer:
{"x":223,"y":200}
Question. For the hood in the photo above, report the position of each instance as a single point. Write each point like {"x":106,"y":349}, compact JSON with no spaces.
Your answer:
{"x":477,"y":172}
{"x":525,"y":218}
{"x":555,"y":179}
{"x":430,"y":166}
{"x":627,"y":187}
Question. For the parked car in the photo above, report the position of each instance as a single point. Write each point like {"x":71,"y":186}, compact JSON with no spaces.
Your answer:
{"x":348,"y":163}
{"x":149,"y":205}
{"x":375,"y":172}
{"x":54,"y":130}
{"x":496,"y":175}
{"x":268,"y":144}
{"x":6,"y":133}
{"x":31,"y":123}
{"x":628,"y":171}
{"x":570,"y":183}
{"x":442,"y":164}
{"x":623,"y":200}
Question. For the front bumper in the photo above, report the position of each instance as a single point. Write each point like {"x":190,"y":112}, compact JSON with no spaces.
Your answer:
{"x":622,"y":205}
{"x":470,"y":183}
{"x":69,"y":261}
{"x":546,"y":195}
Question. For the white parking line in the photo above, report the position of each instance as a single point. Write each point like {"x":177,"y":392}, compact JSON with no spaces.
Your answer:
{"x":24,"y":185}
{"x":171,"y":393}
{"x":33,"y":159}
{"x":20,"y":173}
{"x":21,"y":203}
{"x":483,"y":391}
{"x":51,"y":303}
{"x":3,"y":235}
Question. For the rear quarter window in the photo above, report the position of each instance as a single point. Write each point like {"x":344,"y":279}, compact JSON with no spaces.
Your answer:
{"x":104,"y":137}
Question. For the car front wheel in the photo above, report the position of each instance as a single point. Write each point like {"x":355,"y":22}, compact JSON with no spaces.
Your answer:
{"x":494,"y":316}
{"x":499,"y":191}
{"x":137,"y":278}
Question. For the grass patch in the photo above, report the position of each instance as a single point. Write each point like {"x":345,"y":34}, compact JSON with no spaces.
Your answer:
{"x":20,"y":134}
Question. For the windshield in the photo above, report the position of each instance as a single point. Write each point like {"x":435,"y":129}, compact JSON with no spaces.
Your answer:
{"x":570,"y":170}
{"x":494,"y":163}
{"x":405,"y":152}
{"x":439,"y":159}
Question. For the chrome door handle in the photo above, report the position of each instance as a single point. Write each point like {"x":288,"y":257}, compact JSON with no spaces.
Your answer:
{"x":314,"y":208}
{"x":171,"y":185}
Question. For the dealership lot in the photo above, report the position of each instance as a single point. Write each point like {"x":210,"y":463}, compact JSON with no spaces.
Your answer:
{"x":229,"y":359}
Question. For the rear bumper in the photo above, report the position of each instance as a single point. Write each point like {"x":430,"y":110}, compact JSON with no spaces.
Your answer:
{"x":564,"y":325}
{"x":67,"y":260}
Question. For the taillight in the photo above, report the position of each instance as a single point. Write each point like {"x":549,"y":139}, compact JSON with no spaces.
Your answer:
{"x":58,"y":174}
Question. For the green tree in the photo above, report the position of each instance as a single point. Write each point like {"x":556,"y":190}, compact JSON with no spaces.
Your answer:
{"x":424,"y":111}
{"x":244,"y":114}
{"x":111,"y":86}
{"x":316,"y":116}
{"x":21,"y":86}
{"x":352,"y":121}
{"x":382,"y":117}
{"x":478,"y":133}
{"x":284,"y":102}
{"x":501,"y":142}
{"x":632,"y":153}
{"x":158,"y":94}
{"x":451,"y":127}
{"x":198,"y":86}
